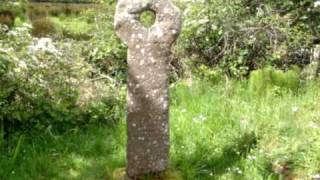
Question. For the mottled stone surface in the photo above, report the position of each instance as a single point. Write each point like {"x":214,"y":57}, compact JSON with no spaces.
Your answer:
{"x":316,"y":53}
{"x":148,"y":94}
{"x":316,"y":58}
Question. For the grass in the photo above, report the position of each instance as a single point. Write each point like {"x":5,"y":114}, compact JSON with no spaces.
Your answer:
{"x":218,"y":131}
{"x":58,"y":9}
{"x":67,"y":20}
{"x":73,"y":27}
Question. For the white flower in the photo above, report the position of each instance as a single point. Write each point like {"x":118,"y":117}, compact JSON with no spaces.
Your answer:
{"x":313,"y":125}
{"x":17,"y":70}
{"x":203,"y":21}
{"x":45,"y":45}
{"x":315,"y":176}
{"x":12,"y":33}
{"x":238,"y":170}
{"x":199,"y":118}
{"x":317,"y":3}
{"x":16,"y":4}
{"x":295,"y":109}
{"x":27,"y":25}
{"x":22,"y":65}
{"x":6,"y":50}
{"x":252,"y":158}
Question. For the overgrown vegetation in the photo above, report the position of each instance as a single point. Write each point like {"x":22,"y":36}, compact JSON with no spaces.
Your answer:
{"x":244,"y":90}
{"x":244,"y":35}
{"x":219,"y":131}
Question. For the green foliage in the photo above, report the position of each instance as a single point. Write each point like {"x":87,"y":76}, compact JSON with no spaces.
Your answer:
{"x":57,"y":9}
{"x":37,"y":13}
{"x":73,"y":28}
{"x":241,"y":36}
{"x":68,"y":1}
{"x":269,"y":80}
{"x":61,"y":20}
{"x":105,"y":51}
{"x":45,"y":84}
{"x":216,"y":133}
{"x":43,"y":27}
{"x":223,"y":132}
{"x":17,"y":8}
{"x":7,"y":18}
{"x":211,"y":75}
{"x":54,"y":91}
{"x":147,"y":18}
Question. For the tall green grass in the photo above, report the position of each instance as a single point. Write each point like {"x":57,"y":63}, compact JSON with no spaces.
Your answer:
{"x":268,"y":80}
{"x":219,"y":131}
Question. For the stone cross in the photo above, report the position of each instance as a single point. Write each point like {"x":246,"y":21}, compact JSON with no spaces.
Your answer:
{"x":148,"y":92}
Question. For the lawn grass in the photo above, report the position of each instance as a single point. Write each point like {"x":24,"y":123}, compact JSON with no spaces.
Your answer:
{"x":218,"y":131}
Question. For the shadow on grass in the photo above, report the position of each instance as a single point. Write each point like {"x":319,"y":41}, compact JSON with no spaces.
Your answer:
{"x":210,"y":166}
{"x":91,"y":153}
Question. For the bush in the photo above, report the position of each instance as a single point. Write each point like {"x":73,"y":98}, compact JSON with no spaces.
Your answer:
{"x":47,"y":84}
{"x":244,"y":35}
{"x":210,"y":75}
{"x":36,"y":10}
{"x":43,"y":27}
{"x":7,"y":18}
{"x":105,"y":51}
{"x":16,"y":8}
{"x":35,"y":13}
{"x":269,"y":80}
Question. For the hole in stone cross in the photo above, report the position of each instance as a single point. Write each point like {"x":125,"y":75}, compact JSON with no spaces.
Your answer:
{"x":148,"y":18}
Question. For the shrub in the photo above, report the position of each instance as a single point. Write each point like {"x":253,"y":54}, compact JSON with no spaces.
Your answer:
{"x":43,"y":27}
{"x":57,"y":9}
{"x":9,"y":11}
{"x":7,"y":18}
{"x":76,"y":28}
{"x":210,"y":75}
{"x":47,"y":84}
{"x":108,"y":54}
{"x":17,"y":8}
{"x":35,"y":13}
{"x":244,"y":35}
{"x":269,"y":80}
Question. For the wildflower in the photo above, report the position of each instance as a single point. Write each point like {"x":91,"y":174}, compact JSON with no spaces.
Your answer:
{"x":244,"y":122}
{"x":17,"y":70}
{"x":27,"y":25}
{"x":252,"y":158}
{"x":202,"y":118}
{"x":315,"y":176}
{"x":238,"y":170}
{"x":203,"y":21}
{"x":295,"y":109}
{"x":6,"y":50}
{"x":45,"y":45}
{"x":16,"y":3}
{"x":22,"y":65}
{"x":12,"y":33}
{"x":199,"y":118}
{"x":313,"y":125}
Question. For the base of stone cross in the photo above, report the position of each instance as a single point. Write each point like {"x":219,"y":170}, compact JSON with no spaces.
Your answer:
{"x":120,"y":174}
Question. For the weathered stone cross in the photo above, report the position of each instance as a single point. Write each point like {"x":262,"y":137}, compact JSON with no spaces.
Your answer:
{"x":148,"y":93}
